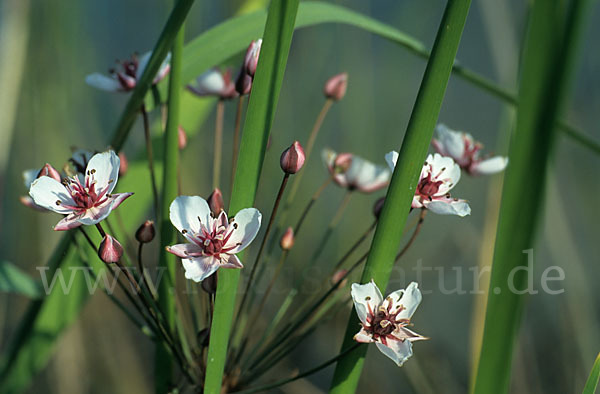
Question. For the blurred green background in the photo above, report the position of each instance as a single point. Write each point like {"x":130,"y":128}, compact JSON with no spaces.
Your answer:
{"x":47,"y":48}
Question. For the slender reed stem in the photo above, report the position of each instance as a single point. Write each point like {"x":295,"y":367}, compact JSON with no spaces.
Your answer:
{"x":150,"y":157}
{"x":284,"y":182}
{"x":236,"y":137}
{"x":218,"y":143}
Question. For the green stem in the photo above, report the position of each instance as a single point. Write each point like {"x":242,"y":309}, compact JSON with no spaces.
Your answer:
{"x":264,"y":96}
{"x":548,"y":62}
{"x":404,"y":180}
{"x":164,"y":379}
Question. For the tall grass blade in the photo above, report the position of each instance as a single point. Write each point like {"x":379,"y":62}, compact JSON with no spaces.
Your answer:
{"x":549,"y":54}
{"x":277,"y":39}
{"x":404,"y":180}
{"x":163,"y":362}
{"x":592,"y":382}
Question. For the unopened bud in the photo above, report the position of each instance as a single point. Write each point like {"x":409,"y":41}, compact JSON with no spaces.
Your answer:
{"x":378,"y":206}
{"x":243,"y":84}
{"x":209,"y":284}
{"x":182,"y":135}
{"x":123,"y":164}
{"x":292,"y":159}
{"x":335,"y":87}
{"x":251,"y":59}
{"x":340,"y":275}
{"x":110,"y":250}
{"x":146,"y":232}
{"x":215,"y":202}
{"x":48,"y":170}
{"x":287,"y":240}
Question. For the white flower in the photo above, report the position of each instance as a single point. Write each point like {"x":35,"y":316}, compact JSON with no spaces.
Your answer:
{"x":214,"y":83}
{"x":384,"y":321}
{"x":213,"y":241}
{"x":465,"y":151}
{"x":130,"y":72}
{"x":85,"y":199}
{"x":353,"y":172}
{"x":438,"y":176}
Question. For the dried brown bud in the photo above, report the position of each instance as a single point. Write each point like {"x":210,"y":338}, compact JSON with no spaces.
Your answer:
{"x":182,"y":135}
{"x":110,"y":250}
{"x":215,"y":202}
{"x":146,"y":232}
{"x":48,"y":170}
{"x":378,"y":206}
{"x":292,"y":159}
{"x":209,"y":284}
{"x":123,"y":164}
{"x":335,"y":87}
{"x":287,"y":240}
{"x":340,"y":275}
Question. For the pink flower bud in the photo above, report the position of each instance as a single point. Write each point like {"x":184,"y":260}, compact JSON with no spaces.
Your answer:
{"x":292,"y":159}
{"x":209,"y":284}
{"x":335,"y":87}
{"x":215,"y":202}
{"x":146,"y":232}
{"x":378,"y":206}
{"x":48,"y":170}
{"x":182,"y":135}
{"x":123,"y":164}
{"x":243,"y":84}
{"x":339,"y":276}
{"x":110,"y":250}
{"x":251,"y":59}
{"x":287,"y":240}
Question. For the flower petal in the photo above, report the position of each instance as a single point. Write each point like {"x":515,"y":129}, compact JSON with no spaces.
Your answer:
{"x":104,"y":168}
{"x":103,"y":82}
{"x":489,"y":166}
{"x":444,"y":169}
{"x":232,"y":262}
{"x":210,"y":82}
{"x":366,"y":298}
{"x":363,"y":337}
{"x":409,"y":299}
{"x":200,"y":268}
{"x":409,"y":335}
{"x":399,"y":351}
{"x":96,"y":214}
{"x":391,"y":158}
{"x":51,"y":194}
{"x":117,"y":198}
{"x":366,"y":176}
{"x":184,"y":250}
{"x":448,"y":206}
{"x":453,"y":142}
{"x":70,"y":221}
{"x":185,"y":211}
{"x":247,"y":222}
